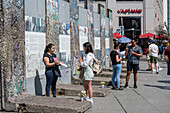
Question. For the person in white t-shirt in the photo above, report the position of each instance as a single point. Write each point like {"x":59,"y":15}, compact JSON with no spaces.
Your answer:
{"x":153,"y":53}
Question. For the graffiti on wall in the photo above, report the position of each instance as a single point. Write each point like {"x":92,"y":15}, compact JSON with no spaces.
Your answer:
{"x":102,"y":28}
{"x":74,"y":27}
{"x":33,"y":24}
{"x":52,"y":20}
{"x":111,"y":30}
{"x":14,"y":34}
{"x":90,"y":21}
{"x":107,"y":44}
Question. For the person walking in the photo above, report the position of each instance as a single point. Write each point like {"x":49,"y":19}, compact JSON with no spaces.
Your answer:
{"x":133,"y":54}
{"x":153,"y":52}
{"x":161,"y":50}
{"x":88,"y":72}
{"x":148,"y":57}
{"x":116,"y":64}
{"x":50,"y":66}
{"x":167,"y":56}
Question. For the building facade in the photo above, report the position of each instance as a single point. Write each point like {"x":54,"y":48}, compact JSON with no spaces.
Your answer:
{"x":168,"y":16}
{"x":136,"y":16}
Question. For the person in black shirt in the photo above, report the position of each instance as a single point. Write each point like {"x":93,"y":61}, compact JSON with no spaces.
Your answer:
{"x":116,"y":64}
{"x":51,"y":64}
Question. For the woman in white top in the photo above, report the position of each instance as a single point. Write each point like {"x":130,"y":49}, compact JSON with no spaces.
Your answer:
{"x":88,"y":72}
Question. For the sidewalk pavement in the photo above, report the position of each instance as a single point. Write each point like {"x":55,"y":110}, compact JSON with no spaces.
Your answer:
{"x":151,"y":96}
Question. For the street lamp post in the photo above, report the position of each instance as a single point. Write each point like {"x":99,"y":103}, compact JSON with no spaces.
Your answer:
{"x":133,"y":29}
{"x":122,"y":26}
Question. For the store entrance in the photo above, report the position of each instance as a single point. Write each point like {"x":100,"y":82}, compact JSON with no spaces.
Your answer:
{"x":132,"y":26}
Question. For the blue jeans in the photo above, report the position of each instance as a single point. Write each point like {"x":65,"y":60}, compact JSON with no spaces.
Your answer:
{"x":51,"y":80}
{"x":116,"y":72}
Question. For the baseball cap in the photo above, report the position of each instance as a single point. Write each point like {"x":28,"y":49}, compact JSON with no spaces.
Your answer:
{"x":153,"y":41}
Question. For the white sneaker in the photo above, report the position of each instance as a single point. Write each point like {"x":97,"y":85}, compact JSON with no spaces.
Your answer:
{"x":160,"y":69}
{"x":90,"y":100}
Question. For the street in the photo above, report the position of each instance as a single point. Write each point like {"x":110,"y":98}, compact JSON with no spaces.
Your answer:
{"x":151,"y":96}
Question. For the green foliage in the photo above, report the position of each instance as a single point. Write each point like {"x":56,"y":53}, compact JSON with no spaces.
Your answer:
{"x":160,"y":31}
{"x":76,"y":83}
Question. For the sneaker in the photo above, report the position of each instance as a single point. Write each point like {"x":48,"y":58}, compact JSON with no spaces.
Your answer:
{"x":160,"y":69}
{"x":149,"y":70}
{"x":90,"y":100}
{"x":157,"y":72}
{"x":126,"y":86}
{"x":135,"y":86}
{"x":120,"y":88}
{"x":152,"y":72}
{"x":86,"y":98}
{"x":113,"y":88}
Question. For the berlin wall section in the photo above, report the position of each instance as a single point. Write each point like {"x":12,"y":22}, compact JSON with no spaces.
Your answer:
{"x":12,"y":53}
{"x":35,"y":42}
{"x":74,"y":33}
{"x":110,"y":15}
{"x":2,"y":59}
{"x":101,"y":11}
{"x":64,"y":42}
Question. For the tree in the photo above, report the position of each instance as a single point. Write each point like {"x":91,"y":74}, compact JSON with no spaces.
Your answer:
{"x":161,"y":32}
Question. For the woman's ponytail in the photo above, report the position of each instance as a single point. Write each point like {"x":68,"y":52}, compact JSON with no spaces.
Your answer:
{"x":49,"y":46}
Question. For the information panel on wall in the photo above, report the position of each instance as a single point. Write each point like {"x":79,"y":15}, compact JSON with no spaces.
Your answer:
{"x":35,"y":38}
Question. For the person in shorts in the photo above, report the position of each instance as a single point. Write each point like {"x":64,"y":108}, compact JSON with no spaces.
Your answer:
{"x":133,"y":54}
{"x":153,"y":53}
{"x":88,"y":72}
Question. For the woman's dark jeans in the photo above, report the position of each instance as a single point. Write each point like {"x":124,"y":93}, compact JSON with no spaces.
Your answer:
{"x":51,"y":80}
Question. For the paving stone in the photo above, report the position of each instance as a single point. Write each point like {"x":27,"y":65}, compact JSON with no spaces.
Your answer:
{"x":74,"y":90}
{"x":53,"y":105}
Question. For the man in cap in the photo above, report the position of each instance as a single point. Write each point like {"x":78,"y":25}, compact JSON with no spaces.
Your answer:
{"x":153,"y":52}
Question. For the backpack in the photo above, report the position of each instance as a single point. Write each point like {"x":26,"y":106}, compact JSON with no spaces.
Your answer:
{"x":96,"y":66}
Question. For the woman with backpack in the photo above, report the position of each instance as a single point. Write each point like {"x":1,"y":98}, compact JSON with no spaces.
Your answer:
{"x":116,"y":64}
{"x":51,"y":71}
{"x":88,"y":72}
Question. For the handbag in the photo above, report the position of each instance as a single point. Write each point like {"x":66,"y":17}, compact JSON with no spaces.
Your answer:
{"x":56,"y":71}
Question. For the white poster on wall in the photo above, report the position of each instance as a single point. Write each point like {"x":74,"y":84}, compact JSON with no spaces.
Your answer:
{"x":107,"y":43}
{"x":83,"y":36}
{"x":35,"y":43}
{"x":64,"y":43}
{"x":97,"y":43}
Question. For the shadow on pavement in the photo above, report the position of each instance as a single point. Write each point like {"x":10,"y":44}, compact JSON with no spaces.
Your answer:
{"x":161,"y":87}
{"x":164,"y":81}
{"x":145,"y":72}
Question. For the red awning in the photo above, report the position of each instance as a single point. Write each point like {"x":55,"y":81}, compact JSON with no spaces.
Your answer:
{"x":148,"y":35}
{"x":117,"y":35}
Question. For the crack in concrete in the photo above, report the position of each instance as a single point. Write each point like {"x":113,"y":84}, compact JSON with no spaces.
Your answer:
{"x":120,"y":103}
{"x":145,"y":99}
